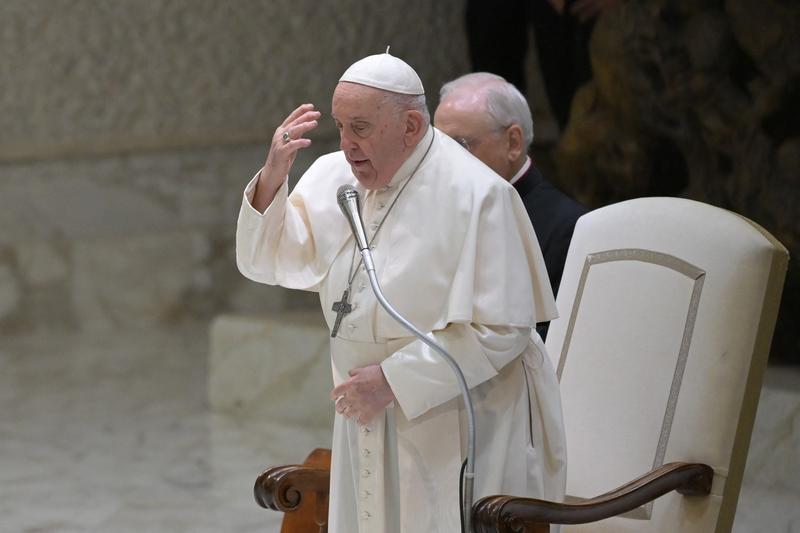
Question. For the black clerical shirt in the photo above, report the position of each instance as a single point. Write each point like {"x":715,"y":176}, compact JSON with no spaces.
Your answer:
{"x":553,"y":215}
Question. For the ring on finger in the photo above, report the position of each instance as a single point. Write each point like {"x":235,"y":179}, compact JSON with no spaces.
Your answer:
{"x":286,"y":137}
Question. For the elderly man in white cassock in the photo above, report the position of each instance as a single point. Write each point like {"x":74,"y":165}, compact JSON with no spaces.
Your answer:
{"x":455,"y":253}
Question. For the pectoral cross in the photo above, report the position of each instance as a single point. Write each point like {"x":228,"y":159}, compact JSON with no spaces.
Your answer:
{"x":341,"y":308}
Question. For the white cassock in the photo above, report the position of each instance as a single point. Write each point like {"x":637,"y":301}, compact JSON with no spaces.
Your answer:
{"x":458,"y":257}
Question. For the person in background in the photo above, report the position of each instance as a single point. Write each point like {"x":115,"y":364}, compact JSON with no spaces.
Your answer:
{"x":497,"y":34}
{"x":490,"y":117}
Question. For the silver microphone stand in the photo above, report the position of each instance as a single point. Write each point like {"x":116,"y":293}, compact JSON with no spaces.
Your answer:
{"x":469,"y":471}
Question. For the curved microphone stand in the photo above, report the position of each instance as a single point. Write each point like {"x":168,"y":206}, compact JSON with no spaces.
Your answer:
{"x":348,"y":200}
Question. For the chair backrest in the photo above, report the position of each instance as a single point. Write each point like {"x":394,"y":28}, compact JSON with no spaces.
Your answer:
{"x":667,"y":311}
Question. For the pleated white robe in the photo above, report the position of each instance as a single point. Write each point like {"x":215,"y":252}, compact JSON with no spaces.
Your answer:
{"x":457,"y":256}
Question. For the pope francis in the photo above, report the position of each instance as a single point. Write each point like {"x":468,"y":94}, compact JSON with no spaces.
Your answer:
{"x":455,"y":253}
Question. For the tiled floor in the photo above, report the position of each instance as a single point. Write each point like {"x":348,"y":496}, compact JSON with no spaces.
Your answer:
{"x":111,"y":433}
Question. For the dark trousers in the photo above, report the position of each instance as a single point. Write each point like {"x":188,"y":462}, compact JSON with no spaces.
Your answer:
{"x":497,"y":34}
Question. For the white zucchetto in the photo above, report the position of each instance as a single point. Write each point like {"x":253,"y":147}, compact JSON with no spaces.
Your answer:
{"x":384,"y":71}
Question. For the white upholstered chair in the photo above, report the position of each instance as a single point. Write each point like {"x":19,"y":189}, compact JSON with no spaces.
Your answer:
{"x":667,"y":312}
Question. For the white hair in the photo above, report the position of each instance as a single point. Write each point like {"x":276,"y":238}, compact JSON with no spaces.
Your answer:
{"x":505,"y":105}
{"x":405,"y":102}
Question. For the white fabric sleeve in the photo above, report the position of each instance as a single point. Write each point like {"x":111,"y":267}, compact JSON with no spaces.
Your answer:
{"x":275,"y":247}
{"x":421,"y":379}
{"x":257,"y":234}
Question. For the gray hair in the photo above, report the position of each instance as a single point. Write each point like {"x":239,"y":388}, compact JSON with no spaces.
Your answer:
{"x":504,"y":103}
{"x":406,"y":102}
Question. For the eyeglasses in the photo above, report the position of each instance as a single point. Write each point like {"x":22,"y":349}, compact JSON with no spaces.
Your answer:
{"x":471,"y":143}
{"x":467,"y":143}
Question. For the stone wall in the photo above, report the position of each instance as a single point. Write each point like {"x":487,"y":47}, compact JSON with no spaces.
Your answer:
{"x":696,"y":99}
{"x":130,"y":128}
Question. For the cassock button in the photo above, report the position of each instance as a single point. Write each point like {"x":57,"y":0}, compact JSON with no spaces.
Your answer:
{"x":365,"y":494}
{"x":365,"y":430}
{"x":381,"y":205}
{"x":362,"y":286}
{"x":351,"y":327}
{"x":365,"y":452}
{"x":365,"y":515}
{"x":366,"y":473}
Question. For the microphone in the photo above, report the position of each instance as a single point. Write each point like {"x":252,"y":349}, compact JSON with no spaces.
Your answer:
{"x":349,"y":202}
{"x":348,"y":199}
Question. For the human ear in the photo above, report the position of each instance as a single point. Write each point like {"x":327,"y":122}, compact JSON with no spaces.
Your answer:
{"x":414,"y":126}
{"x":515,"y":141}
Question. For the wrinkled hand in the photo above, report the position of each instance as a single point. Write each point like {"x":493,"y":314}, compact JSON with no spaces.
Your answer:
{"x":364,"y":395}
{"x":282,"y":153}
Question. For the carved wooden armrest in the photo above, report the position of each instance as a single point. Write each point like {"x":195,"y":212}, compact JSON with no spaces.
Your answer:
{"x":507,"y":514}
{"x":301,"y":490}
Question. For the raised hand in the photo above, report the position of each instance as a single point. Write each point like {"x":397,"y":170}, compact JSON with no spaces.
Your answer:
{"x":286,"y":141}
